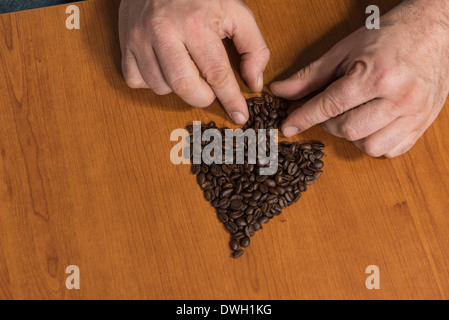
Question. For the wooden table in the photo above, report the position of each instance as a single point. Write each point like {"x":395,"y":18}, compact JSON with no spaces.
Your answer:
{"x":86,"y":179}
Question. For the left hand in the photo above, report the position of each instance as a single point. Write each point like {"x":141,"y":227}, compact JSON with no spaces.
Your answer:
{"x":385,"y":87}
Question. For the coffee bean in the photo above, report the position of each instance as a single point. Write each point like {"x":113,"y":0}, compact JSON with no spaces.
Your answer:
{"x":309,"y":180}
{"x":244,"y":242}
{"x":231,"y":227}
{"x":209,"y":195}
{"x":270,"y":183}
{"x":240,"y":222}
{"x":282,"y":202}
{"x":237,"y":254}
{"x":236,"y":204}
{"x":234,"y":245}
{"x":226,"y":193}
{"x":317,"y":174}
{"x":216,"y":171}
{"x":256,"y":195}
{"x":257,"y":226}
{"x":238,"y":235}
{"x":223,"y":217}
{"x":317,"y":146}
{"x":201,"y":178}
{"x":263,"y":219}
{"x":249,"y":231}
{"x":276,"y":209}
{"x":263,"y":188}
{"x":195,"y":168}
{"x":318,"y":164}
{"x":224,"y":203}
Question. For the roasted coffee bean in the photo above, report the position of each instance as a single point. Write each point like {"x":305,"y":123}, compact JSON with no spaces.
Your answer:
{"x":216,"y":171}
{"x":238,"y":188}
{"x":236,"y":197}
{"x":195,"y":168}
{"x":257,"y":226}
{"x":276,"y":209}
{"x":249,"y":210}
{"x":309,"y":180}
{"x":256,"y":195}
{"x":238,"y":235}
{"x":223,"y":217}
{"x":318,"y":164}
{"x":237,"y":254}
{"x":318,"y":155}
{"x":236,"y":214}
{"x":214,"y":203}
{"x":263,"y":188}
{"x":201,"y":178}
{"x":252,"y":203}
{"x":270,"y":183}
{"x":224,"y":203}
{"x":226,"y":193}
{"x":249,"y":231}
{"x":236,"y":204}
{"x":317,"y":146}
{"x":263,"y":219}
{"x":209,"y":195}
{"x":246,"y":195}
{"x":257,"y":214}
{"x":234,"y":245}
{"x":292,"y":168}
{"x":282,"y":202}
{"x":317,"y":174}
{"x":240,"y":222}
{"x":207,"y":185}
{"x":244,"y":242}
{"x":231,"y":227}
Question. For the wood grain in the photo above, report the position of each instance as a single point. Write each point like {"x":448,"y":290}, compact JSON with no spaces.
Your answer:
{"x":86,"y":179}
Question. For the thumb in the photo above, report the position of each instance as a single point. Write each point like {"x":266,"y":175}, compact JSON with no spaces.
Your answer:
{"x":249,"y":42}
{"x":311,"y":78}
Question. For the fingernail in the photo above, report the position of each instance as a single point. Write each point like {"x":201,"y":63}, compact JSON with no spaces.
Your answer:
{"x":260,"y":82}
{"x":290,"y":131}
{"x":238,"y":117}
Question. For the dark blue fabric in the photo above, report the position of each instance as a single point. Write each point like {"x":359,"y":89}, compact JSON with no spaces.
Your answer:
{"x":17,"y":5}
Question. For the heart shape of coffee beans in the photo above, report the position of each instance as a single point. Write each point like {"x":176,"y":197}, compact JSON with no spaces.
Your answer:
{"x":244,"y":199}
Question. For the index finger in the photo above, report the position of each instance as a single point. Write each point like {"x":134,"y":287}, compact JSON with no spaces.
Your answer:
{"x":211,"y":58}
{"x":344,"y":94}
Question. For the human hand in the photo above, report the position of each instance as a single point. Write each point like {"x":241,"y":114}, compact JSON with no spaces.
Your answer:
{"x":165,"y":42}
{"x":384,"y":87}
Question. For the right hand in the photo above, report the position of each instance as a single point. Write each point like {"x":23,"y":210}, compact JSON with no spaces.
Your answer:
{"x":165,"y":42}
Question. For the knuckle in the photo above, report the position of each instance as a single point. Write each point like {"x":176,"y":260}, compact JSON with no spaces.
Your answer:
{"x":413,"y":95}
{"x":217,"y":76}
{"x":136,"y":36}
{"x":384,"y":79}
{"x":265,"y":54}
{"x":348,"y":132}
{"x":183,"y":86}
{"x":304,"y":72}
{"x":329,"y":107}
{"x":371,"y":148}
